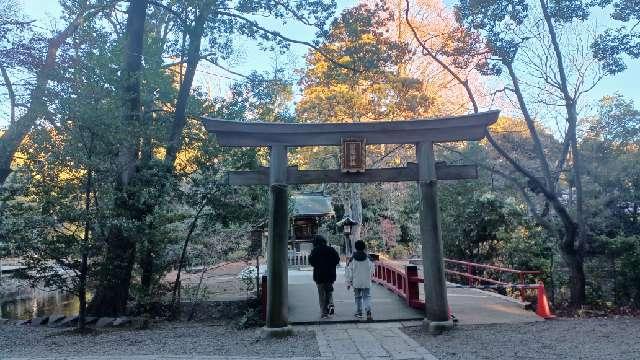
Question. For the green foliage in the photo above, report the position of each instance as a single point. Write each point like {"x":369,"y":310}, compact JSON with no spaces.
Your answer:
{"x":613,"y":44}
{"x":617,"y":123}
{"x":401,"y":251}
{"x":626,"y":252}
{"x":480,"y":226}
{"x":611,"y":147}
{"x":259,"y":98}
{"x":497,"y":21}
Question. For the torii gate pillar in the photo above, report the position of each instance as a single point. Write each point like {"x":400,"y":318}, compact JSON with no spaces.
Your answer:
{"x":277,"y":304}
{"x":435,"y":287}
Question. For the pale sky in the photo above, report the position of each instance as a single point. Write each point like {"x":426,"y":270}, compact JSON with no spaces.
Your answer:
{"x":46,"y":12}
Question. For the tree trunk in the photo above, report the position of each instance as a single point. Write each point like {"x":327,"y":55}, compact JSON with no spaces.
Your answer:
{"x":533,"y":132}
{"x":112,"y":292}
{"x":82,"y":293}
{"x":18,"y":129}
{"x":82,"y":283}
{"x":577,"y":280}
{"x":193,"y":57}
{"x":131,"y":99}
{"x":575,"y":258}
{"x":10,"y":93}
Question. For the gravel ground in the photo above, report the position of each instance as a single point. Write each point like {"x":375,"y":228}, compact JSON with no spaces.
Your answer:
{"x":166,"y":339}
{"x":583,"y":339}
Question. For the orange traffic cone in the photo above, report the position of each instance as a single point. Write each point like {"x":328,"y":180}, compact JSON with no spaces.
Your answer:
{"x":542,"y":308}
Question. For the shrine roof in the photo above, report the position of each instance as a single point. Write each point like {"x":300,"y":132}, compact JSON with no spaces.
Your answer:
{"x":312,"y":205}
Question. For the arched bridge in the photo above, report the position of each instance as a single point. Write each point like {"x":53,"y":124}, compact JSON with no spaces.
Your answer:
{"x":472,"y":289}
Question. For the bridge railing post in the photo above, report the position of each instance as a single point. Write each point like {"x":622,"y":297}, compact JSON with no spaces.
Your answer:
{"x":412,"y":290}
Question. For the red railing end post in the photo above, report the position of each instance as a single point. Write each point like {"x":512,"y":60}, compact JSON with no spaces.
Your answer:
{"x":413,"y":291}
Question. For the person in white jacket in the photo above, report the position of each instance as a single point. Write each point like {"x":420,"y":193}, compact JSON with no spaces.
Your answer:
{"x":358,"y":275}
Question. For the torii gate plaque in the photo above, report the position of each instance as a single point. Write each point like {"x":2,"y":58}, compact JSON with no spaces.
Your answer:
{"x":422,"y":133}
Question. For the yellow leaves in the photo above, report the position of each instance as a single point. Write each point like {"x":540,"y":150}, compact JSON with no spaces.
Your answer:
{"x":321,"y":67}
{"x":176,"y":71}
{"x":368,"y":38}
{"x":508,"y":124}
{"x":68,"y":175}
{"x":344,"y":60}
{"x":160,"y":152}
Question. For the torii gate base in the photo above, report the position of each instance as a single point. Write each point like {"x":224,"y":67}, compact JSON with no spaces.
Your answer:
{"x":422,"y":133}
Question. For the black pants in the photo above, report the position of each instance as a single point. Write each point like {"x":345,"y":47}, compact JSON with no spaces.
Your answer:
{"x":325,"y":297}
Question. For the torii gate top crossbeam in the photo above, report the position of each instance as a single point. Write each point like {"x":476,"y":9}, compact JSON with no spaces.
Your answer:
{"x":456,"y":128}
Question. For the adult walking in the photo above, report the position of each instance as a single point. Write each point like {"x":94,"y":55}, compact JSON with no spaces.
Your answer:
{"x":324,"y":260}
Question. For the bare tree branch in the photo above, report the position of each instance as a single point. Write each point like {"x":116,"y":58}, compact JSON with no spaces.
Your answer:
{"x":11,"y":93}
{"x":278,"y":35}
{"x":429,"y":53}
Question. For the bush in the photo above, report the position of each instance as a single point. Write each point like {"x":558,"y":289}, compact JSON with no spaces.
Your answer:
{"x":625,"y":253}
{"x":400,"y":252}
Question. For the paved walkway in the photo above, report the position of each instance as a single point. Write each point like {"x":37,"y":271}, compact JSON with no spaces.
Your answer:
{"x":477,"y":307}
{"x":304,"y":308}
{"x":368,"y":341}
{"x":470,"y":306}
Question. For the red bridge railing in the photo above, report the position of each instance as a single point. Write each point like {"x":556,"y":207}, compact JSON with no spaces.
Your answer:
{"x":476,"y":275}
{"x":405,"y":282}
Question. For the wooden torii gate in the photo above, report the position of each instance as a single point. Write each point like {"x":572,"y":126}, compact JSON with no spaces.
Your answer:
{"x":423,"y":133}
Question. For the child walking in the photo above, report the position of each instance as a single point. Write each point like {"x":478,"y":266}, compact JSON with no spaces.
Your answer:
{"x":358,"y":274}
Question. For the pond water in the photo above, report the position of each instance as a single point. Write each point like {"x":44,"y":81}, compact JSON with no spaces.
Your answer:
{"x":28,"y":303}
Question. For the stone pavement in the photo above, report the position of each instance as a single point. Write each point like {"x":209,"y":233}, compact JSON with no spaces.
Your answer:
{"x":368,"y":341}
{"x":360,"y":341}
{"x":160,"y":357}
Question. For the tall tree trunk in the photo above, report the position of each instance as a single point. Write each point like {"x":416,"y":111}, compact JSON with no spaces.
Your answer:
{"x":533,"y":132}
{"x":112,"y":292}
{"x":82,"y":283}
{"x":193,"y":57}
{"x":18,"y":129}
{"x":576,"y":264}
{"x":10,"y":93}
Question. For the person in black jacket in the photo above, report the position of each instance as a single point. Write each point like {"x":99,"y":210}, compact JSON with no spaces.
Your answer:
{"x":324,"y":260}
